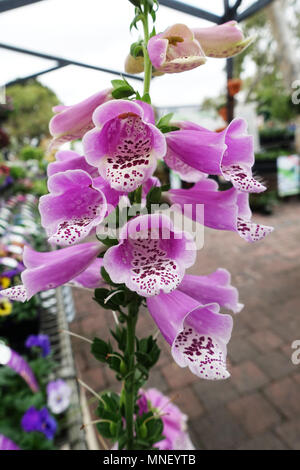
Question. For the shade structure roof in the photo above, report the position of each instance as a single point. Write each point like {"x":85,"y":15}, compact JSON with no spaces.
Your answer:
{"x":57,"y":39}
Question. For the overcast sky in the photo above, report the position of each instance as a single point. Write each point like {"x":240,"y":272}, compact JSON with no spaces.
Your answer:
{"x":97,"y":32}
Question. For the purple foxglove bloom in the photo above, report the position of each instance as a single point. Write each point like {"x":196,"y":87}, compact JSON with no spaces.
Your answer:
{"x":228,"y":153}
{"x":197,"y":333}
{"x":174,"y":421}
{"x":223,"y":210}
{"x":52,"y":269}
{"x":125,"y":144}
{"x":9,"y":358}
{"x":58,"y":396}
{"x":73,"y":208}
{"x":149,"y":115}
{"x":224,"y":40}
{"x":72,"y":122}
{"x":39,"y":421}
{"x":175,"y":50}
{"x":39,"y":341}
{"x":151,"y":256}
{"x":249,"y":231}
{"x":213,"y":288}
{"x":69,"y":160}
{"x":90,"y":278}
{"x":7,"y":444}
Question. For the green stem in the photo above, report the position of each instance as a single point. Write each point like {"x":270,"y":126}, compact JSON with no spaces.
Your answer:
{"x":147,"y":62}
{"x":129,"y":382}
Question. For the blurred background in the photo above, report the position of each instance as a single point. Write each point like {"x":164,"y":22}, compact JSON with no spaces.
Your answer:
{"x":61,"y":51}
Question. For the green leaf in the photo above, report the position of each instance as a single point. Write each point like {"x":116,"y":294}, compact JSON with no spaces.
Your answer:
{"x":100,"y":349}
{"x":153,"y":32}
{"x":122,"y":92}
{"x":138,"y":17}
{"x":165,"y":187}
{"x":136,"y":49}
{"x":146,"y":98}
{"x":165,"y":120}
{"x":155,"y":429}
{"x":122,"y":89}
{"x":153,"y":14}
{"x":166,"y":129}
{"x":120,"y":335}
{"x":108,"y":241}
{"x":101,"y":294}
{"x":153,"y":197}
{"x":164,"y":124}
{"x":106,"y":277}
{"x":136,"y":3}
{"x":116,"y":83}
{"x":147,"y":352}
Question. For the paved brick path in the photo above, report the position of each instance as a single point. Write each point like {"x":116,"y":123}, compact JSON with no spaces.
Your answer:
{"x":258,"y":407}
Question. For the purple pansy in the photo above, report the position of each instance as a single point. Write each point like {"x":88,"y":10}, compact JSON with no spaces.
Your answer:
{"x":228,"y":153}
{"x":223,"y":210}
{"x":39,"y":341}
{"x":72,"y":122}
{"x":197,"y":333}
{"x":35,"y":420}
{"x":175,"y":50}
{"x":51,"y":269}
{"x":75,"y":205}
{"x":13,"y":272}
{"x":58,"y":396}
{"x":125,"y":144}
{"x":151,"y":256}
{"x":174,"y":421}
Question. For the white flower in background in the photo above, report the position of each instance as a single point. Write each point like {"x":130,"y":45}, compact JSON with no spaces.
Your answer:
{"x":58,"y":393}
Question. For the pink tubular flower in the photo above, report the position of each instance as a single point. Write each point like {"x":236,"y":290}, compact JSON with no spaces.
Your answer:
{"x":213,"y":288}
{"x":151,"y":256}
{"x":125,"y":144}
{"x":175,"y":50}
{"x":198,"y":334}
{"x":13,"y":360}
{"x":72,"y":122}
{"x":90,"y":278}
{"x":52,"y":269}
{"x":228,"y":153}
{"x":73,"y":208}
{"x":224,"y":40}
{"x":69,"y":160}
{"x":223,"y":210}
{"x":174,"y":421}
